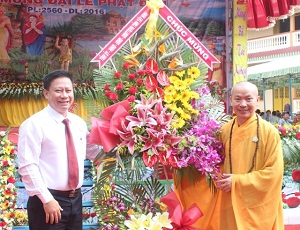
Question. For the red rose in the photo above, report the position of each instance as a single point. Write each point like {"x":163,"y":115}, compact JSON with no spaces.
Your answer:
{"x":283,"y":132}
{"x":298,"y":135}
{"x":113,"y":96}
{"x":126,"y":65}
{"x":296,"y":175}
{"x":107,"y":94}
{"x":139,"y":81}
{"x":132,"y":90}
{"x":118,"y":74}
{"x":132,"y":76}
{"x":131,"y":98}
{"x":141,"y":72}
{"x":106,"y":87}
{"x":4,"y":163}
{"x":119,"y":86}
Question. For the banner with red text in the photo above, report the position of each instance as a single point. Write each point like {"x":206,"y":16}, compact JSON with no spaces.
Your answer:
{"x":38,"y":36}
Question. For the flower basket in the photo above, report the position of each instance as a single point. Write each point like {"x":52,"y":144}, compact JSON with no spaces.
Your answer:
{"x":159,"y":116}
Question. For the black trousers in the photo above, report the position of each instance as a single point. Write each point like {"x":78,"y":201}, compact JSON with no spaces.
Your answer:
{"x":71,"y":216}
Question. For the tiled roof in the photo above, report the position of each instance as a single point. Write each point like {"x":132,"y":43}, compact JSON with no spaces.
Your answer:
{"x":293,"y":50}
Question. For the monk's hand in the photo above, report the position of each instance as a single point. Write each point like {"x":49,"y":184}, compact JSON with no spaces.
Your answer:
{"x":225,"y":183}
{"x":53,"y":211}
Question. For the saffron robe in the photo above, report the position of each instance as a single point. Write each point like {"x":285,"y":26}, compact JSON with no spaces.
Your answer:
{"x":255,"y":200}
{"x":199,"y":193}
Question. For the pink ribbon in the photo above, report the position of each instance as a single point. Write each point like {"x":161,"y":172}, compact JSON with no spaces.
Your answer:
{"x":181,"y":220}
{"x":104,"y":130}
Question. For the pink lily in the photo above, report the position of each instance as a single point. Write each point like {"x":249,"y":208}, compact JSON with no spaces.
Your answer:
{"x":153,"y":141}
{"x":141,"y":119}
{"x":128,"y":137}
{"x":170,"y":141}
{"x":145,"y":103}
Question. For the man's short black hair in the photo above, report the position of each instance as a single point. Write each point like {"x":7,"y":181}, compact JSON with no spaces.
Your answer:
{"x":56,"y":74}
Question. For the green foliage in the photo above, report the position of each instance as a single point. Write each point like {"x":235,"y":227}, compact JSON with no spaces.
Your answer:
{"x":291,"y":149}
{"x":88,"y":24}
{"x":83,"y":70}
{"x":215,"y":29}
{"x":130,"y":182}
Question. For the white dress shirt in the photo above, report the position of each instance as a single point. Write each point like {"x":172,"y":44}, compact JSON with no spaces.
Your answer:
{"x":42,"y":152}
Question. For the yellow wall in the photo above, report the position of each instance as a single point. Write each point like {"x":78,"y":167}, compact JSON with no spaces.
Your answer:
{"x":13,"y":111}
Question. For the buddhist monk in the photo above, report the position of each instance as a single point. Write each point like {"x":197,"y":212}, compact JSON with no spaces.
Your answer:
{"x":250,"y":190}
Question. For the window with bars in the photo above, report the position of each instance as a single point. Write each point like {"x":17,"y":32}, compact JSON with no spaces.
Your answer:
{"x":281,"y":92}
{"x":284,"y":25}
{"x":297,"y":21}
{"x":286,"y":92}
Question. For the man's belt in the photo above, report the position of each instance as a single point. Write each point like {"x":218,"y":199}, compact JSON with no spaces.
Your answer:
{"x":70,"y":194}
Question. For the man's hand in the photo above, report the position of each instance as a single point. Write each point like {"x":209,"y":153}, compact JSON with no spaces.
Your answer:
{"x":53,"y":211}
{"x":225,"y":183}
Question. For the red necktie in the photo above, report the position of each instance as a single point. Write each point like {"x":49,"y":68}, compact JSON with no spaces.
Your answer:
{"x":72,"y":157}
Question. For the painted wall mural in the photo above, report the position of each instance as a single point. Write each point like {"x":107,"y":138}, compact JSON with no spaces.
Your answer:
{"x":37,"y":36}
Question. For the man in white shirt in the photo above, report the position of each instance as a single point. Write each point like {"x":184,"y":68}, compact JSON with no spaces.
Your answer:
{"x":43,"y":161}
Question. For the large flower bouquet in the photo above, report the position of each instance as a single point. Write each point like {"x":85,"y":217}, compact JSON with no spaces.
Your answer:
{"x":8,"y":189}
{"x":158,"y":117}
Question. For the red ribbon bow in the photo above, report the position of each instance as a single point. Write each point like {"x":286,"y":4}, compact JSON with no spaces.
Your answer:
{"x":104,"y":130}
{"x":181,"y":220}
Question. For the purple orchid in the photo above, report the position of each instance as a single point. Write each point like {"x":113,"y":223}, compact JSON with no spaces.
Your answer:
{"x":202,"y":148}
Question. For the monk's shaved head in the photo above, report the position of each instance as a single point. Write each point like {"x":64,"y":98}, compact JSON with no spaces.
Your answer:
{"x":245,"y":84}
{"x":244,"y":98}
